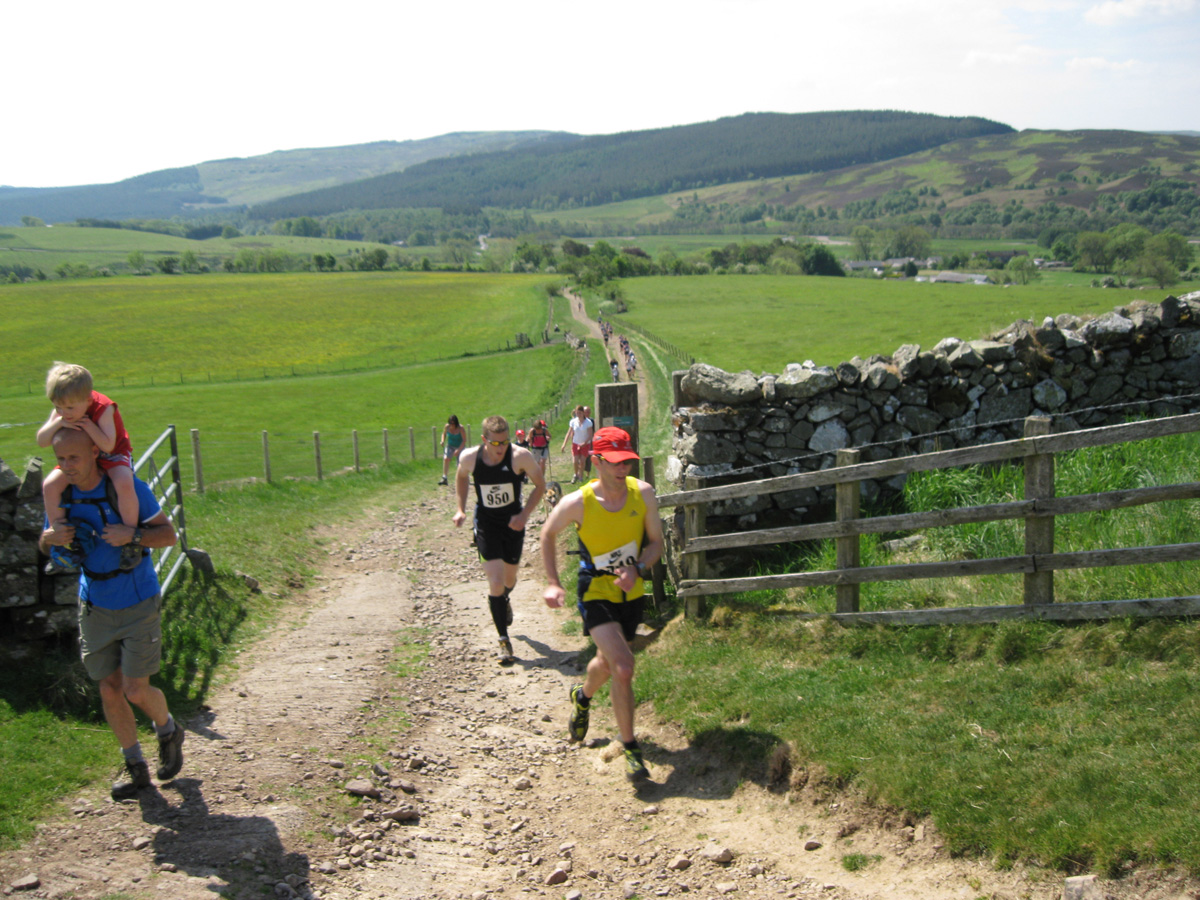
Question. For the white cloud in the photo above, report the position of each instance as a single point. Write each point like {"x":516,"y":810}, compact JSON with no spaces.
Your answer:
{"x":1112,"y":12}
{"x":1021,"y":55}
{"x":1099,"y":63}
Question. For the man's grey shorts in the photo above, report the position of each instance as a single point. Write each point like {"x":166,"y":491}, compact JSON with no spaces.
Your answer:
{"x":129,"y":639}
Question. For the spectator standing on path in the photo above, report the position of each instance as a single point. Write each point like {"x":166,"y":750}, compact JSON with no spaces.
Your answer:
{"x":453,"y":436}
{"x":579,"y":432}
{"x":120,"y":628}
{"x":499,"y":469}
{"x":539,"y":444}
{"x":620,"y":538}
{"x":587,"y":460}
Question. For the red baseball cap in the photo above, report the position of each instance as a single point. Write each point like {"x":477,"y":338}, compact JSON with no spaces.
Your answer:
{"x":613,"y":445}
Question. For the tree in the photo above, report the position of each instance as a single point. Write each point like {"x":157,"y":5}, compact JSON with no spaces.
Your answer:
{"x":1022,"y":269}
{"x":910,"y":240}
{"x":864,"y":240}
{"x":229,"y":233}
{"x":1126,"y":242}
{"x":1172,"y":246}
{"x":1155,"y":266}
{"x":1091,"y":250}
{"x":32,"y":222}
{"x":169,"y":265}
{"x":137,"y":260}
{"x":188,"y":261}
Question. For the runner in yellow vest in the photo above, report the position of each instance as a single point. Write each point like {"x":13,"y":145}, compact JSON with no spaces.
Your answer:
{"x":620,"y":536}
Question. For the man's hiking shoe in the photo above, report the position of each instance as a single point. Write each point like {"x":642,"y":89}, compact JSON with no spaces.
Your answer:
{"x":131,"y":556}
{"x":443,"y":481}
{"x":139,"y":780}
{"x":506,"y":653}
{"x":577,"y":725}
{"x":170,"y":754}
{"x":635,"y":768}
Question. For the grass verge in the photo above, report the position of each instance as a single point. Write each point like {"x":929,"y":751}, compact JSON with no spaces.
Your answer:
{"x":1066,"y":746}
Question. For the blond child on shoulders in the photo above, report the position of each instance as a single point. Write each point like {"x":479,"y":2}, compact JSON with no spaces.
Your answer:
{"x":78,"y":406}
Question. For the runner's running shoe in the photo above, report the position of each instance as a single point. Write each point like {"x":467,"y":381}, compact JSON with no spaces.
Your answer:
{"x":635,"y":768}
{"x":506,"y":652}
{"x":577,"y":726}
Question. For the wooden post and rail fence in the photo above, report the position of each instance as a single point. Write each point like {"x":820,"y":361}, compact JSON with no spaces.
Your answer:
{"x":1038,"y":510}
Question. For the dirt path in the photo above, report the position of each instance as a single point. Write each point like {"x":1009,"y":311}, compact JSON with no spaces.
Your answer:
{"x":579,"y":313}
{"x":480,"y":795}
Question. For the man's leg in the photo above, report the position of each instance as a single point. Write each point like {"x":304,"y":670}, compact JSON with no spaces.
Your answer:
{"x":497,"y":572}
{"x":614,"y":659}
{"x":117,"y":711}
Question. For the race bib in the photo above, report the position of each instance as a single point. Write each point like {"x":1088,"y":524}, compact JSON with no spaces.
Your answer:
{"x":498,"y":495}
{"x":614,"y":559}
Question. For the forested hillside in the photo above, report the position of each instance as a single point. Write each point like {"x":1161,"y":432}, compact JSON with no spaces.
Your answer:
{"x":601,"y":169}
{"x":226,"y":186}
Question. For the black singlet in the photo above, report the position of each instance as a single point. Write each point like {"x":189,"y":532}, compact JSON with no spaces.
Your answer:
{"x":497,"y":489}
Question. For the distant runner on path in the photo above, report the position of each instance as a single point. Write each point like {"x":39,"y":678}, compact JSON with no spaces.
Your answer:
{"x":620,"y":538}
{"x":499,"y":469}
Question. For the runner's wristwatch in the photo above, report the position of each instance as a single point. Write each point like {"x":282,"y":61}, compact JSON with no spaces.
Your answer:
{"x":643,"y":570}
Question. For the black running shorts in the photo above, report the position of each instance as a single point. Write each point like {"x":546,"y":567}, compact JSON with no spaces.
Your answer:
{"x":499,"y":542}
{"x":600,"y":612}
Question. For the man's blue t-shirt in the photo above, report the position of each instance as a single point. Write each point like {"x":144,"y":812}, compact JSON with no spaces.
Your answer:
{"x":128,"y":588}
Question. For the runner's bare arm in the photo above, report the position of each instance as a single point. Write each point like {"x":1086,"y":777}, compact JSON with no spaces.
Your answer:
{"x":569,"y":511}
{"x":462,"y":483}
{"x":525,"y":464}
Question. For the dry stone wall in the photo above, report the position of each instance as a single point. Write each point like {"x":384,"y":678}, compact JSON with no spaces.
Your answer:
{"x":32,"y":605}
{"x":1141,"y":359}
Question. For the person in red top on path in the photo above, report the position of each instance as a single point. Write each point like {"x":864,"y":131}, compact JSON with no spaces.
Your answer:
{"x":539,"y":444}
{"x":78,"y":407}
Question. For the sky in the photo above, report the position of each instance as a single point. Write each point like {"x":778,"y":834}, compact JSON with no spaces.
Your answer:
{"x":103,"y":92}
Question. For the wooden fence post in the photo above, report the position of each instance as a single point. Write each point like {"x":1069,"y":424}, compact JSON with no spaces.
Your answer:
{"x":197,"y":466}
{"x":695,"y":522}
{"x":848,"y":505}
{"x":354,"y":442}
{"x":387,"y":456}
{"x":468,"y":440}
{"x":266,"y":456}
{"x":412,"y":442}
{"x":1039,"y":530}
{"x":317,"y":453}
{"x":433,"y":431}
{"x":657,"y":571}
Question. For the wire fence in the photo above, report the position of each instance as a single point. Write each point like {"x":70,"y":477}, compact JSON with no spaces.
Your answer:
{"x":673,"y":349}
{"x":214,"y":457}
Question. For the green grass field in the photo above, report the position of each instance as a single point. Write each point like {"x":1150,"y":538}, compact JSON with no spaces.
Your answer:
{"x":216,"y":327}
{"x":764,"y":322}
{"x":47,"y":248}
{"x":392,"y":327}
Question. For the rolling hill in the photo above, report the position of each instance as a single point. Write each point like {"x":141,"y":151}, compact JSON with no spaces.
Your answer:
{"x":229,"y":184}
{"x":598,"y":169}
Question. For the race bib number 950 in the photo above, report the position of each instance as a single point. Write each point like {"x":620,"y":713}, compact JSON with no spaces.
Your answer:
{"x":614,"y":559}
{"x":498,"y":495}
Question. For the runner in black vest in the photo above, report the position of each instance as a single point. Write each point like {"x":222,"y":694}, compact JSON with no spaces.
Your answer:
{"x":500,"y":517}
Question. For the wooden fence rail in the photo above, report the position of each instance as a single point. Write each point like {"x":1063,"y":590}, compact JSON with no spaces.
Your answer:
{"x":1038,"y":510}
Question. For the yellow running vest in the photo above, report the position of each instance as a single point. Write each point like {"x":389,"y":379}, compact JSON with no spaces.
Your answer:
{"x":612,"y":539}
